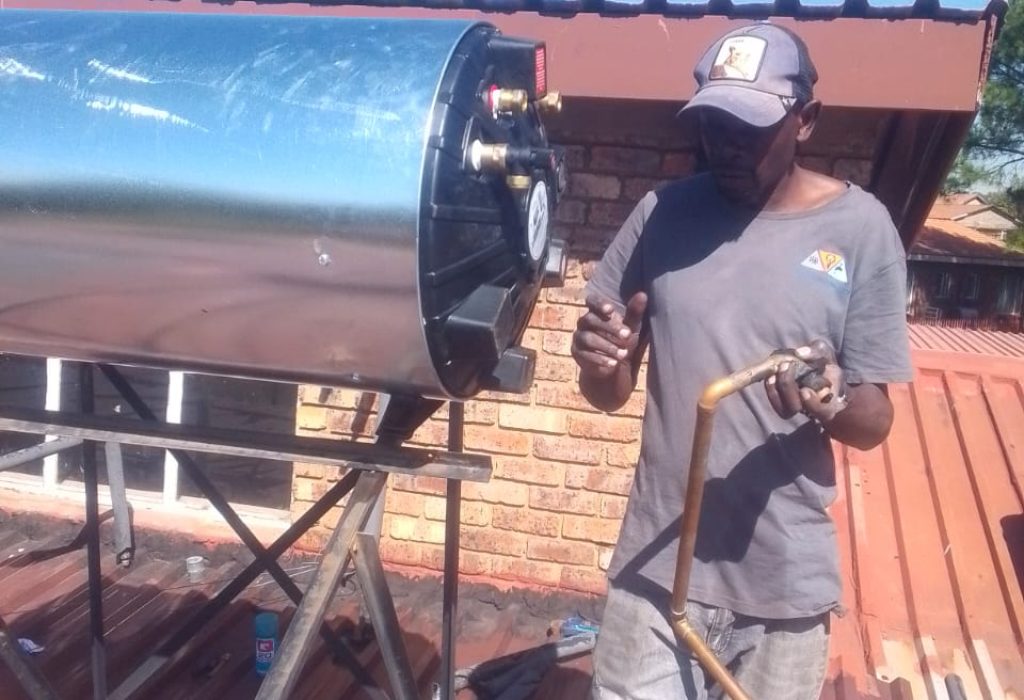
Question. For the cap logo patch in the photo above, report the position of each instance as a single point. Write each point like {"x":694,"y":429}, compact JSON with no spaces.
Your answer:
{"x":740,"y":58}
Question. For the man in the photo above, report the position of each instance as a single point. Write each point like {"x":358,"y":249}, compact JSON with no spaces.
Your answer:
{"x":713,"y":273}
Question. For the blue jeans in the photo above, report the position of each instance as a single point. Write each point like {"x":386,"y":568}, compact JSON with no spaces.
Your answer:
{"x":637,"y":655}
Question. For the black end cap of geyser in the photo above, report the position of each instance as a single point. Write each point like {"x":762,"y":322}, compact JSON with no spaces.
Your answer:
{"x":482,"y":326}
{"x":514,"y":372}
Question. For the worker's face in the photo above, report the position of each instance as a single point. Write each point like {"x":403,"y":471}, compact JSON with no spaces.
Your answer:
{"x":749,"y":162}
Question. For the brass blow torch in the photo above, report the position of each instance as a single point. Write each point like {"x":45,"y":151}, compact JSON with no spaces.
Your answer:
{"x":807,"y":375}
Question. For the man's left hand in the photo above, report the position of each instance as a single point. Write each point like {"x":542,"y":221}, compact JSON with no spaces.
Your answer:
{"x":788,"y":398}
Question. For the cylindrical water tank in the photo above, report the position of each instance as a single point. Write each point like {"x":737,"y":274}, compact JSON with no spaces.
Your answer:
{"x":352,"y":202}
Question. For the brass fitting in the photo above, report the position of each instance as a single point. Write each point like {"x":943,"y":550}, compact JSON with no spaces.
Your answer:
{"x":518,"y":182}
{"x":488,"y":157}
{"x":551,"y":103}
{"x":509,"y":101}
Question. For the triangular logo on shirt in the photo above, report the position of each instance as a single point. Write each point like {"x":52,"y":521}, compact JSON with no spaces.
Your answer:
{"x":813,"y":262}
{"x":828,"y":262}
{"x":839,"y":272}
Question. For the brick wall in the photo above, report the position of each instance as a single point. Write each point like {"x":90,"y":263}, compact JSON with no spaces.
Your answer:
{"x":551,"y":514}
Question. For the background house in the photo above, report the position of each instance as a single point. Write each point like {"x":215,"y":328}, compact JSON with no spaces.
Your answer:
{"x":961,"y":277}
{"x":974,"y":212}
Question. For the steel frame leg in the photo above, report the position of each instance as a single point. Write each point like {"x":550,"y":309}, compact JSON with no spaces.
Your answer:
{"x":92,"y":527}
{"x":450,"y":580}
{"x":377,"y":596}
{"x":284,"y":673}
{"x":124,"y":542}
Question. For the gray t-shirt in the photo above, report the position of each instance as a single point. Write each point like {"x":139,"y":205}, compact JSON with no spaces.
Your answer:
{"x":725,"y":289}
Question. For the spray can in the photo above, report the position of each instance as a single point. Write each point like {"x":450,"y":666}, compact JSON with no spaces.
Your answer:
{"x":265,"y":627}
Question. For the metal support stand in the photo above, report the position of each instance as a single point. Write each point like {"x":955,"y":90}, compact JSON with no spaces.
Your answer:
{"x":92,"y":528}
{"x":368,"y":467}
{"x":452,"y":531}
{"x":124,"y":544}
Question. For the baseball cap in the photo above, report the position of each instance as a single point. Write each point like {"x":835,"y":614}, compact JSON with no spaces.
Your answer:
{"x":756,"y":73}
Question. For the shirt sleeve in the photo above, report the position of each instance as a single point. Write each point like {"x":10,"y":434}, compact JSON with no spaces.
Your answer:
{"x":876,"y":346}
{"x":620,"y":273}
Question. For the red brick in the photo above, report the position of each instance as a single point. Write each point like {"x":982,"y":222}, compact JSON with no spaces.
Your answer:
{"x":311,"y":471}
{"x":470,"y":563}
{"x":588,"y":186}
{"x":311,"y":418}
{"x":563,"y":501}
{"x":565,"y":295}
{"x":419,"y":484}
{"x":563,"y":395}
{"x":434,"y":507}
{"x":563,"y":449}
{"x":603,"y":480}
{"x":302,"y":490}
{"x":496,"y":441}
{"x":624,"y":456}
{"x":481,"y":413}
{"x":603,"y":427}
{"x":528,"y":521}
{"x":635,"y":188}
{"x":575,"y":157}
{"x":398,"y":552}
{"x":555,"y":317}
{"x":432,"y":557}
{"x":613,"y":507}
{"x":433,"y":433}
{"x":601,"y":531}
{"x":493,"y":397}
{"x":678,"y":164}
{"x":558,"y":343}
{"x":556,"y":369}
{"x":529,"y":471}
{"x":604,"y":557}
{"x":535,"y":418}
{"x":584,"y":580}
{"x":471,"y":513}
{"x":627,"y":161}
{"x":404,"y":503}
{"x":571,"y":211}
{"x":609,"y":213}
{"x":637,"y":403}
{"x":581,"y":553}
{"x":544,"y":573}
{"x":480,"y":539}
{"x":532,"y":338}
{"x":402,"y":527}
{"x":497,"y":491}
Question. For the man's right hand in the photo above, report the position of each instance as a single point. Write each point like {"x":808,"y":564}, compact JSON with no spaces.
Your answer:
{"x":604,"y":339}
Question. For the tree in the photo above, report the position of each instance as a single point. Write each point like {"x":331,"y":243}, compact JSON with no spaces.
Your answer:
{"x":994,"y":151}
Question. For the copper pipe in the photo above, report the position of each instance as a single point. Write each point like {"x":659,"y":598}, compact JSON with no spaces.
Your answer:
{"x":715,"y":392}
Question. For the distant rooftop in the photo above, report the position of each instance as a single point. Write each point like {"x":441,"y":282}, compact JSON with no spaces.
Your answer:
{"x":948,"y":241}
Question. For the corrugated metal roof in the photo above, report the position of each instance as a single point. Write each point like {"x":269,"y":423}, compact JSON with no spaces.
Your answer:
{"x":931,"y":528}
{"x":934,"y":9}
{"x":993,"y":343}
{"x":941,"y":238}
{"x":941,"y":9}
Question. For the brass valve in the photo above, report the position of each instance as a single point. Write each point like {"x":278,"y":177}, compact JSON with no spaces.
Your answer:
{"x":509,"y":101}
{"x":551,"y":103}
{"x":488,"y":157}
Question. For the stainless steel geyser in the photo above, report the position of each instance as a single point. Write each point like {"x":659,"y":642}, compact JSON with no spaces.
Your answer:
{"x":357,"y":202}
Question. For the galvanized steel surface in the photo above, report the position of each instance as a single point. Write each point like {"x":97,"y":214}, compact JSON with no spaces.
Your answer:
{"x":230,"y":194}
